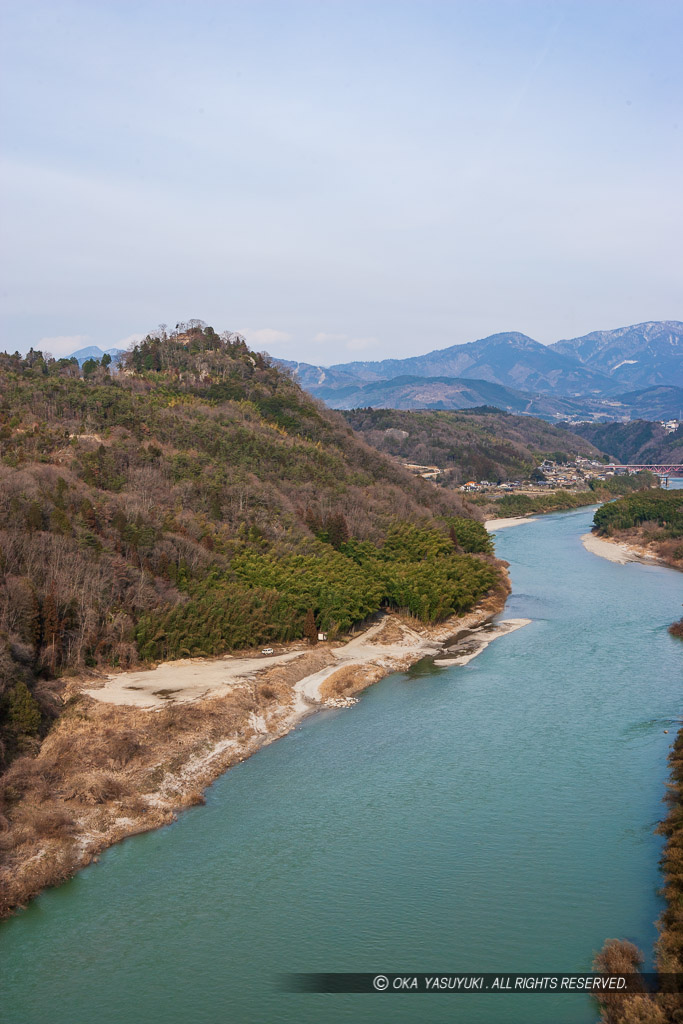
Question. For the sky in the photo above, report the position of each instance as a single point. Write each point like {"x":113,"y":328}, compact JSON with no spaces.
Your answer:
{"x":338,"y":179}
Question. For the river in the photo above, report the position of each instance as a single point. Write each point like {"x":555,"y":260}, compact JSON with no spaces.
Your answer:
{"x":492,"y":817}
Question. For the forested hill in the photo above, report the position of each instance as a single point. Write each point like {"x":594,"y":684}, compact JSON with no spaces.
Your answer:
{"x":640,"y":441}
{"x":484,"y":443}
{"x":194,"y":502}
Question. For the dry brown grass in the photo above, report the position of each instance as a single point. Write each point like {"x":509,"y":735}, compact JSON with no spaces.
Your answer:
{"x":350,"y":679}
{"x":106,"y":771}
{"x":97,"y":788}
{"x":392,"y":631}
{"x":282,"y":678}
{"x":652,"y":539}
{"x":99,"y":765}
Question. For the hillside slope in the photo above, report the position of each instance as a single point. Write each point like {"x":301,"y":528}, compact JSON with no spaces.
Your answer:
{"x":482,"y":444}
{"x":640,"y":441}
{"x":434,"y":393}
{"x":195,"y":502}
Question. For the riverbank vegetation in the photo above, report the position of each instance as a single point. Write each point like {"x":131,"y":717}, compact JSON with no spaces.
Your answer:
{"x":530,"y":504}
{"x":104,"y":772}
{"x":661,"y":508}
{"x":192,"y":503}
{"x":518,"y":504}
{"x":670,"y":944}
{"x":195,"y":502}
{"x":649,"y":519}
{"x":617,"y":956}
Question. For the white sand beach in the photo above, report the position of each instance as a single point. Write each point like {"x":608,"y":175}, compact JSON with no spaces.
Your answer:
{"x":615,"y":551}
{"x":502,"y":524}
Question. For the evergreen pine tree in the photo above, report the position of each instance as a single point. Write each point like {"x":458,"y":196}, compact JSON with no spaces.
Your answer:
{"x":24,"y":712}
{"x":337,"y":529}
{"x":51,"y":638}
{"x":310,"y":628}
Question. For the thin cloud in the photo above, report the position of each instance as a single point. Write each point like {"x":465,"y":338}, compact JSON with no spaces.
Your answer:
{"x":322,"y":337}
{"x":358,"y":344}
{"x":63,"y":344}
{"x":264,"y":336}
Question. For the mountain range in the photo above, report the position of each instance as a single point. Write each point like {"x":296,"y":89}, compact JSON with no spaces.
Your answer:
{"x":654,"y":403}
{"x":631,"y":371}
{"x":94,"y":352}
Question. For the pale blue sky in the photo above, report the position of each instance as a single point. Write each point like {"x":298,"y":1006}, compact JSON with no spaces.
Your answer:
{"x":337,"y":178}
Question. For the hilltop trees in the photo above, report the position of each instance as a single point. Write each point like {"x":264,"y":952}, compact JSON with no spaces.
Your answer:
{"x":198,"y":501}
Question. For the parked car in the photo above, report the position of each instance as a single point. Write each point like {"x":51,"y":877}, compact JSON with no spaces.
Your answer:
{"x":267,"y":650}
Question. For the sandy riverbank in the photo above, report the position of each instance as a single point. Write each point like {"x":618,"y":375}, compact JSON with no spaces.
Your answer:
{"x":502,"y":524}
{"x":126,"y":755}
{"x":388,"y":645}
{"x":617,"y":551}
{"x":188,"y":680}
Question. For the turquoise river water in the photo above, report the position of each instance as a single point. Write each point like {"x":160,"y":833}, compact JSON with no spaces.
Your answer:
{"x":492,"y":817}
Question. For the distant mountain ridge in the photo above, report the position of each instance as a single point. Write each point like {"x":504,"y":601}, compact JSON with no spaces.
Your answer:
{"x":95,"y":352}
{"x":511,"y":360}
{"x":630,"y":371}
{"x":602,"y":363}
{"x":460,"y":393}
{"x":636,"y":356}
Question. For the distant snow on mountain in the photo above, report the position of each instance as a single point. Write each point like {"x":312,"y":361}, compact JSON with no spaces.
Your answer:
{"x":630,"y":371}
{"x":637,"y":356}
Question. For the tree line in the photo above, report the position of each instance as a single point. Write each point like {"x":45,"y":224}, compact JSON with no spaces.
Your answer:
{"x":196,"y":500}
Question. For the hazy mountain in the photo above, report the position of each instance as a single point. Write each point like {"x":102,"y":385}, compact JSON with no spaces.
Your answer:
{"x":310,"y":376}
{"x":632,"y":357}
{"x":512,"y":360}
{"x":600,"y":364}
{"x":458,"y":393}
{"x":94,"y":352}
{"x":656,"y":403}
{"x":438,"y":393}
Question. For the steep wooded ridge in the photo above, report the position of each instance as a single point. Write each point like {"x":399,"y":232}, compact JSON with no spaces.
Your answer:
{"x":483,"y":444}
{"x":195,"y":502}
{"x":625,"y":373}
{"x":640,"y":441}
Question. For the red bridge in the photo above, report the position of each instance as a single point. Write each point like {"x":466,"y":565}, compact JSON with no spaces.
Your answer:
{"x":659,"y":470}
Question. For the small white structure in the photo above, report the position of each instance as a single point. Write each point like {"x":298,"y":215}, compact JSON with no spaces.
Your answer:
{"x":322,"y":636}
